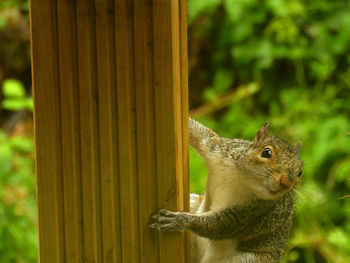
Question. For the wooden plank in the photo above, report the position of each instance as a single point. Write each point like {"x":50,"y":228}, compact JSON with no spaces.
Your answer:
{"x":91,"y":194}
{"x":126,"y":131}
{"x":184,"y":110}
{"x":108,"y":131}
{"x":146,"y":163}
{"x":184,"y":97}
{"x":70,"y":131}
{"x":47,"y":130}
{"x":115,"y":145}
{"x":168,"y":120}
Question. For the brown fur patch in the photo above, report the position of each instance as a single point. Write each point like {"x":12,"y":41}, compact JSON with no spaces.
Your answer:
{"x":201,"y":198}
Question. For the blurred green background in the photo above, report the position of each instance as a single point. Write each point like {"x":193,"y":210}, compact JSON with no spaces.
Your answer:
{"x":287,"y":62}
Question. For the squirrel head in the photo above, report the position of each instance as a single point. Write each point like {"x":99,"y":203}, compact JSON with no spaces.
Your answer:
{"x":272,"y":165}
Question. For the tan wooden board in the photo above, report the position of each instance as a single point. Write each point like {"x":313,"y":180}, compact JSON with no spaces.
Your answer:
{"x":89,"y":130}
{"x":70,"y":132}
{"x":47,"y":132}
{"x":145,"y":125}
{"x":108,"y":135}
{"x":110,"y":98}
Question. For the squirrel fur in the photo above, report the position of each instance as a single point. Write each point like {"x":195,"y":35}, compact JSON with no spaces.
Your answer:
{"x":246,"y":212}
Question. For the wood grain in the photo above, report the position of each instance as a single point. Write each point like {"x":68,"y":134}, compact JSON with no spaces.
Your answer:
{"x":127,"y":130}
{"x":168,"y":120}
{"x":110,"y":203}
{"x":70,"y":132}
{"x":89,"y":131}
{"x":110,"y":98}
{"x":145,"y":106}
{"x":47,"y":131}
{"x":184,"y":110}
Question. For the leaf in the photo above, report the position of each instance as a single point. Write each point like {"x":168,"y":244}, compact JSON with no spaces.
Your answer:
{"x":13,"y":88}
{"x":14,"y":104}
{"x":29,"y":104}
{"x":3,"y":22}
{"x":223,"y":79}
{"x":22,"y":144}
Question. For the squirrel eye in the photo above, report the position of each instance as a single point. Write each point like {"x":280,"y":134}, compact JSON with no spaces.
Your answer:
{"x":266,"y":153}
{"x":300,"y":173}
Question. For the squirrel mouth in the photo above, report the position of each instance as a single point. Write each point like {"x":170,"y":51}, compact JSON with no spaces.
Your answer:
{"x":279,"y":190}
{"x":276,"y":191}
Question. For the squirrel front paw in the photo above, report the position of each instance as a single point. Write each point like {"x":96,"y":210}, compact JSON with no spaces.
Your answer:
{"x":166,"y":220}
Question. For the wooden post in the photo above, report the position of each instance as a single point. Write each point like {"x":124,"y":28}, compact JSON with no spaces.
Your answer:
{"x":110,"y":98}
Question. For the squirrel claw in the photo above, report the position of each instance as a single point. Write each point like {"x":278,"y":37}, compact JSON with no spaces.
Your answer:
{"x":164,"y":227}
{"x":155,"y":217}
{"x":165,"y":212}
{"x":166,"y":220}
{"x":154,"y":226}
{"x":161,"y":219}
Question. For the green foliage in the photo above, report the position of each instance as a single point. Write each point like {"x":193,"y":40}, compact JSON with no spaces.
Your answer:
{"x":18,"y":235}
{"x":15,"y":96}
{"x":8,"y":9}
{"x":18,"y":224}
{"x":13,"y":4}
{"x":299,"y":51}
{"x":293,"y":55}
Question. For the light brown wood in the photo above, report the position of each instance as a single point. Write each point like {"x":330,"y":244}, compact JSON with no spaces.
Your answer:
{"x":184,"y":103}
{"x":89,"y":132}
{"x":70,"y":132}
{"x":110,"y":95}
{"x":168,"y":120}
{"x":145,"y":103}
{"x":126,"y":130}
{"x":48,"y":166}
{"x":106,"y":72}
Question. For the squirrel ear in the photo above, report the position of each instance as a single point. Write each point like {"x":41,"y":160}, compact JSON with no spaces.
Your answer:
{"x":262,"y":133}
{"x":298,"y":147}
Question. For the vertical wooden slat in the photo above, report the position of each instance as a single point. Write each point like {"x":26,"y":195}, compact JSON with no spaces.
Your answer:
{"x":168,"y":120}
{"x":184,"y":103}
{"x":126,"y":130}
{"x":47,"y":130}
{"x":184,"y":95}
{"x":108,"y":131}
{"x":70,"y":131}
{"x":88,"y":94}
{"x":110,"y":86}
{"x":145,"y":103}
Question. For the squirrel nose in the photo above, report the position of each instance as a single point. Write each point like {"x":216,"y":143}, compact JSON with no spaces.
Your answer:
{"x":285,"y":182}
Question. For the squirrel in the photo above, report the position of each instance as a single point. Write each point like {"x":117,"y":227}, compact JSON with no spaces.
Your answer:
{"x":247,"y":210}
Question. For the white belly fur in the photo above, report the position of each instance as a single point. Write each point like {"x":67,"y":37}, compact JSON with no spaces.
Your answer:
{"x":205,"y":250}
{"x":225,"y":190}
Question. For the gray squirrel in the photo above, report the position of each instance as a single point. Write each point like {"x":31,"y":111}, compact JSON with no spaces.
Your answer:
{"x":246,"y":212}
